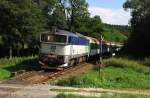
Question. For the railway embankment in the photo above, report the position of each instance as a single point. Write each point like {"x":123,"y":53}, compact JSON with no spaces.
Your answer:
{"x":119,"y":74}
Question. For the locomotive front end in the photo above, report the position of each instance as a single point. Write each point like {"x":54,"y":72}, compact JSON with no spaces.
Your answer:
{"x":52,"y":52}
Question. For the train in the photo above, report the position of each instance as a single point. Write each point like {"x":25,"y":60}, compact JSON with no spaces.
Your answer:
{"x":62,"y":49}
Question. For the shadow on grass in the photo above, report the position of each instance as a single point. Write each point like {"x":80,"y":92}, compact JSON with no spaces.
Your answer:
{"x":27,"y":65}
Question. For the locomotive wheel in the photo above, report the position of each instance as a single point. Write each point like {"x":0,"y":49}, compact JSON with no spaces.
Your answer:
{"x":72,"y":62}
{"x":84,"y":59}
{"x":80,"y":59}
{"x":76,"y":61}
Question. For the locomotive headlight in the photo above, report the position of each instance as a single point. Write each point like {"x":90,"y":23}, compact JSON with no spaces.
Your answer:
{"x":53,"y":48}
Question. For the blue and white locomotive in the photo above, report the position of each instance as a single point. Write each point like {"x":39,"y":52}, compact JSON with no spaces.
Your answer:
{"x":62,"y":49}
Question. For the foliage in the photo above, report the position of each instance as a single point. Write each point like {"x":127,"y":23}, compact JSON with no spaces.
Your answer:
{"x":70,"y":96}
{"x":124,"y":96}
{"x":91,"y":26}
{"x":76,"y":10}
{"x":15,"y":60}
{"x":20,"y":23}
{"x":20,"y":63}
{"x":123,"y":29}
{"x":7,"y":66}
{"x":126,"y":63}
{"x":103,"y":96}
{"x":147,"y":61}
{"x":112,"y":34}
{"x":4,"y":74}
{"x":118,"y":73}
{"x":139,"y":39}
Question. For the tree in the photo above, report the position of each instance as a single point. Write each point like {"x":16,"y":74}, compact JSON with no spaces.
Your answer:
{"x":139,"y":40}
{"x":20,"y":23}
{"x":76,"y":11}
{"x":90,"y":26}
{"x":57,"y":15}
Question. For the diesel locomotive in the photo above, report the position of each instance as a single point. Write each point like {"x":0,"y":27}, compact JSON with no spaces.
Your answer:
{"x":62,"y":49}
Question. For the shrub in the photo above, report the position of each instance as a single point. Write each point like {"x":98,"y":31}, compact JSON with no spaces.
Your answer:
{"x":147,"y":61}
{"x":4,"y":62}
{"x":126,"y":63}
{"x":4,"y":74}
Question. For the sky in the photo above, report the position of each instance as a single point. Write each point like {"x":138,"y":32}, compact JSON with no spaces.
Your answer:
{"x":110,"y":11}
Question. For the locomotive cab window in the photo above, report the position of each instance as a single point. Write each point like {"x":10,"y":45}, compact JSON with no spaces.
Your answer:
{"x":53,"y":38}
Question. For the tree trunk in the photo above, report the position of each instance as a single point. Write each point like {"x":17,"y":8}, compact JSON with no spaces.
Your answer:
{"x":10,"y":52}
{"x":18,"y":51}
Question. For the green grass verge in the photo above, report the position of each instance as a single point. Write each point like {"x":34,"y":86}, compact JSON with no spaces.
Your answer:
{"x":5,"y":62}
{"x":118,"y":73}
{"x":71,"y":96}
{"x":103,"y":96}
{"x":4,"y":74}
{"x":7,"y":66}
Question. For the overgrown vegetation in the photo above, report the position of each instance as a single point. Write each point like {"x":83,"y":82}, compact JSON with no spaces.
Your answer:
{"x":103,"y":96}
{"x":4,"y":74}
{"x":138,"y":43}
{"x":114,"y":35}
{"x":22,"y":21}
{"x":7,"y":66}
{"x":5,"y":62}
{"x":118,"y":73}
{"x":71,"y":96}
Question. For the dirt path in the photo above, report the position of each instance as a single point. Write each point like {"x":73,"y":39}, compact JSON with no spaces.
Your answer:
{"x":22,"y":91}
{"x":18,"y":88}
{"x":38,"y":77}
{"x":98,"y":91}
{"x":47,"y":91}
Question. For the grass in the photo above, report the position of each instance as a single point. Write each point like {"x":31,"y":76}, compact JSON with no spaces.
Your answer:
{"x":5,"y":62}
{"x":103,"y":96}
{"x":4,"y":74}
{"x":147,"y":61}
{"x":118,"y":73}
{"x":7,"y":66}
{"x":71,"y":96}
{"x":126,"y":63}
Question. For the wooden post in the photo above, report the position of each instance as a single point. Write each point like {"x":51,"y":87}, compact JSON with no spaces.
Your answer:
{"x":10,"y":52}
{"x":101,"y":66}
{"x":101,"y":69}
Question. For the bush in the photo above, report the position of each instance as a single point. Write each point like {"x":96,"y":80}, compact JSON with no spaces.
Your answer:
{"x":20,"y":63}
{"x":4,"y":62}
{"x":71,"y":96}
{"x":4,"y":74}
{"x":126,"y":63}
{"x":147,"y":61}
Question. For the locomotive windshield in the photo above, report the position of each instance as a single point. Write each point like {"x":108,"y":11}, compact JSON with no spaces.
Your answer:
{"x":53,"y":38}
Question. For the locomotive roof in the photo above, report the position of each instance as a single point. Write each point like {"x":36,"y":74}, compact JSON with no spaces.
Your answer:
{"x":63,"y":32}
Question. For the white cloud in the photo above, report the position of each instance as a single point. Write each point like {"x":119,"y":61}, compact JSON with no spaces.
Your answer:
{"x":111,"y":16}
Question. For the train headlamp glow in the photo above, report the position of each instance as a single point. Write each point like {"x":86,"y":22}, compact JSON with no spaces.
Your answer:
{"x":64,"y":65}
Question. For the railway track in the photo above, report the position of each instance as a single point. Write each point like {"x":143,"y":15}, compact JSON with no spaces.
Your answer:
{"x":40,"y":77}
